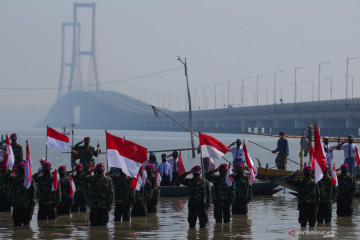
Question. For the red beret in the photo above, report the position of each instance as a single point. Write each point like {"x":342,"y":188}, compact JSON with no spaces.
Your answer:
{"x":47,"y":164}
{"x":86,"y":138}
{"x":224,"y":165}
{"x":62,"y":167}
{"x":79,"y":165}
{"x":149,"y":166}
{"x":100,"y":165}
{"x":13,"y":135}
{"x":345,"y":165}
{"x":21,"y":164}
{"x":196,"y":168}
{"x":239,"y":165}
{"x":5,"y":165}
{"x":307,"y":168}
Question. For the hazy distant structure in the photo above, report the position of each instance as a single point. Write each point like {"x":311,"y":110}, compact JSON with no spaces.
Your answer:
{"x":75,"y":80}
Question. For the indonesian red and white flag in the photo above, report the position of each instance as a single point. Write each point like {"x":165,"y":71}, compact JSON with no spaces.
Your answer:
{"x":143,"y":176}
{"x":136,"y":182}
{"x":125,"y":154}
{"x":357,"y":158}
{"x":72,"y":188}
{"x":91,"y":172}
{"x":56,"y":140}
{"x":9,"y":154}
{"x":228,"y":176}
{"x":55,"y":182}
{"x":250,"y":164}
{"x":211,"y":164}
{"x":211,"y":147}
{"x":319,"y":155}
{"x":180,"y":164}
{"x":311,"y":152}
{"x":157,"y":179}
{"x":334,"y":180}
{"x":28,"y":176}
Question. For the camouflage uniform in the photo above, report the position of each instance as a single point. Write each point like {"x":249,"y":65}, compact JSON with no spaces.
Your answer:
{"x":346,"y":191}
{"x":223,"y":197}
{"x":327,"y":194}
{"x":5,"y":195}
{"x":24,"y":201}
{"x":243,"y":194}
{"x":142,"y":198}
{"x":197,"y":203}
{"x":154,"y":199}
{"x":124,"y":196}
{"x":86,"y":154}
{"x":18,"y":153}
{"x":48,"y":199}
{"x":101,"y":199}
{"x":66,"y":200}
{"x":307,"y":204}
{"x":80,"y":196}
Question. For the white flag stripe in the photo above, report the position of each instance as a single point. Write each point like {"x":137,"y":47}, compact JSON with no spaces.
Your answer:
{"x":228,"y":177}
{"x":72,"y":186}
{"x":143,"y":177}
{"x":318,"y":172}
{"x":210,"y":152}
{"x":138,"y":183}
{"x":158,"y":179}
{"x":11,"y":158}
{"x":128,"y":166}
{"x":56,"y":144}
{"x":27,"y":180}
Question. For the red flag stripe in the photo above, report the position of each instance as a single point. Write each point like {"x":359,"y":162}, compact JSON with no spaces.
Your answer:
{"x":57,"y":135}
{"x":209,"y":140}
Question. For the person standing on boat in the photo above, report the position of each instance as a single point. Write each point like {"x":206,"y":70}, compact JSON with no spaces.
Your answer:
{"x":80,"y":196}
{"x":328,"y":149}
{"x":199,"y":196}
{"x":308,"y":198}
{"x":346,"y":192}
{"x":172,"y":159}
{"x":243,"y":191}
{"x":165,"y":171}
{"x":349,"y":154}
{"x":49,"y":200}
{"x":154,"y":198}
{"x":5,"y":183}
{"x":223,"y":194}
{"x":237,"y":152}
{"x":86,"y":153}
{"x":283,"y":149}
{"x":23,"y":198}
{"x":152,"y":160}
{"x":17,"y":149}
{"x":124,"y":195}
{"x":327,"y":197}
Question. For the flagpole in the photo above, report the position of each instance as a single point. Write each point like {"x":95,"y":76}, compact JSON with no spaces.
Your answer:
{"x":156,"y":110}
{"x":203,"y":173}
{"x":72,"y":148}
{"x":46,"y":147}
{"x":98,"y":146}
{"x":107,"y":165}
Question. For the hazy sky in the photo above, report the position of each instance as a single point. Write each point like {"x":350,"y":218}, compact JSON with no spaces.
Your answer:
{"x":222,"y":41}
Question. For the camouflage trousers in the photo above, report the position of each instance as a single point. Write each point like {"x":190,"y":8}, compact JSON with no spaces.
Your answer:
{"x":22,"y":216}
{"x":63,"y":208}
{"x":197,"y":212}
{"x":307,"y":214}
{"x":324,"y":213}
{"x":281,"y":162}
{"x":344,"y":207}
{"x":5,"y":204}
{"x":222,"y":213}
{"x":152,"y":205}
{"x":98,"y":216}
{"x":240,"y":206}
{"x":46,"y":212}
{"x":122,"y":210}
{"x":79,"y":203}
{"x":138,"y":210}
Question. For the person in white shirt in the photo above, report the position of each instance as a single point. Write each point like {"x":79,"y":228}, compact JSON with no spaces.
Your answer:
{"x":172,"y":159}
{"x":328,"y":149}
{"x":42,"y":161}
{"x":165,"y":171}
{"x":237,"y":152}
{"x":349,"y":154}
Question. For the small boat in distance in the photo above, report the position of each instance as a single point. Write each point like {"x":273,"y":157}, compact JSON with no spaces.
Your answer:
{"x":65,"y":132}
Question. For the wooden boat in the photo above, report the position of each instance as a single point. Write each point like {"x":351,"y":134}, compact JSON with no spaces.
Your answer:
{"x":258,"y":188}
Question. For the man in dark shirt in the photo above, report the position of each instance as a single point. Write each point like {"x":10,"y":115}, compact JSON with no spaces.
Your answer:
{"x":17,"y":150}
{"x":283,"y":149}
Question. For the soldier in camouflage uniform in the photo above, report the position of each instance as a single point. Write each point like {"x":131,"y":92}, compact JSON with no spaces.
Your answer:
{"x":5,"y":183}
{"x":346,"y":191}
{"x":199,"y":200}
{"x":308,"y":198}
{"x":154,"y":199}
{"x":66,"y":200}
{"x":243,"y":191}
{"x":49,"y":200}
{"x":17,"y":150}
{"x":142,"y":198}
{"x":82,"y":187}
{"x":102,"y":194}
{"x":24,"y":199}
{"x":223,"y":194}
{"x":327,"y":197}
{"x":124,"y":195}
{"x":86,"y":153}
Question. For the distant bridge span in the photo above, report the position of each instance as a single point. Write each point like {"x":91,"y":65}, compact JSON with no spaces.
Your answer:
{"x":111,"y":110}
